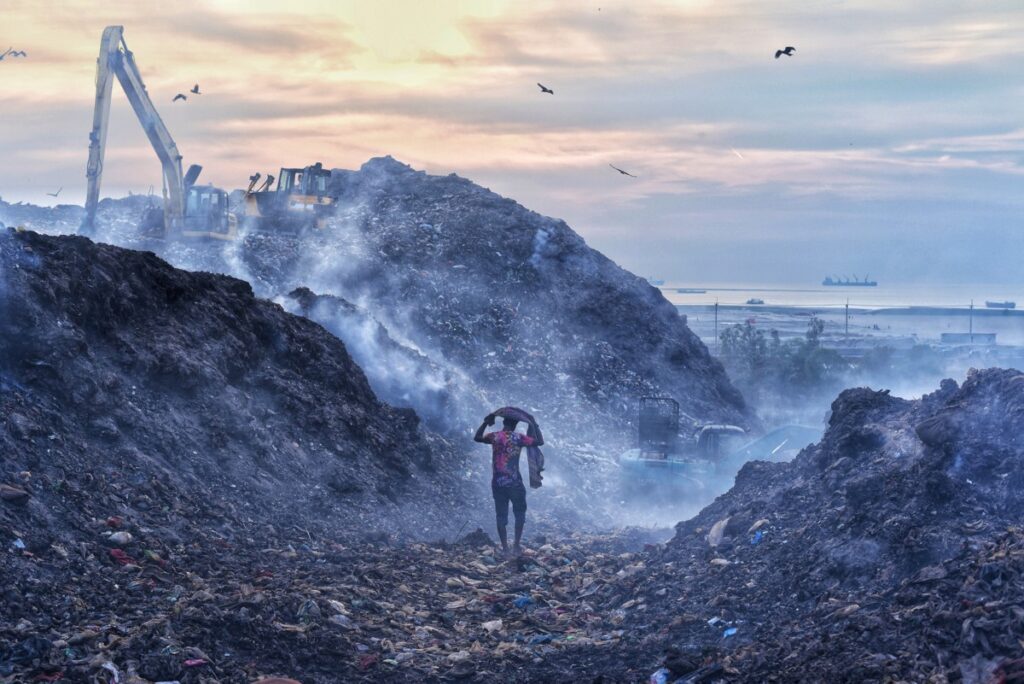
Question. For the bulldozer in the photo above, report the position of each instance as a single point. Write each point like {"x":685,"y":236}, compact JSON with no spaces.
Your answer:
{"x":189,"y":210}
{"x":663,"y":459}
{"x":300,"y":201}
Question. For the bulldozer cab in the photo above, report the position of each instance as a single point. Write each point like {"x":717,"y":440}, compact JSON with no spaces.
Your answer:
{"x":310,"y":181}
{"x":300,"y":201}
{"x":658,"y":431}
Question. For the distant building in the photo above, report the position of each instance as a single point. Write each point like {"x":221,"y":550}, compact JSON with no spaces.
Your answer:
{"x":968,"y":338}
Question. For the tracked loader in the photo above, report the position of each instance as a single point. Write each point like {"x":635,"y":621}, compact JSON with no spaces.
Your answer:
{"x":301,"y":201}
{"x":664,"y":460}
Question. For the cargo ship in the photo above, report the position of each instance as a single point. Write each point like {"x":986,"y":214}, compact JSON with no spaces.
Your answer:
{"x":846,"y":282}
{"x":1001,"y":305}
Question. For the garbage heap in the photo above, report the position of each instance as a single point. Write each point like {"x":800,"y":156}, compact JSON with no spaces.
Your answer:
{"x":177,"y":400}
{"x":455,"y":300}
{"x":890,"y":551}
{"x":515,"y":301}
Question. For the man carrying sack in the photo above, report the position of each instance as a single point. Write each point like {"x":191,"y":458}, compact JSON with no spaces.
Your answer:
{"x":506,"y":482}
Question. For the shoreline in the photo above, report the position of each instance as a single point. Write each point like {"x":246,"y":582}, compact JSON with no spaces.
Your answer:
{"x":803,"y":309}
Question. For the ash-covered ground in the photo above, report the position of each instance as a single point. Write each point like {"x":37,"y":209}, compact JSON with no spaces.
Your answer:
{"x":199,"y":485}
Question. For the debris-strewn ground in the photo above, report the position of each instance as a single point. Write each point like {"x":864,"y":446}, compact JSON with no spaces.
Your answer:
{"x":197,"y":486}
{"x":891,"y":551}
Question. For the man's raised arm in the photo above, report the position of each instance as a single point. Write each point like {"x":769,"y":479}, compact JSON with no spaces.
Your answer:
{"x":479,"y":436}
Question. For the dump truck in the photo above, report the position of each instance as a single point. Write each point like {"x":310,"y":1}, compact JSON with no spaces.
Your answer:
{"x":188,"y":211}
{"x":301,"y":201}
{"x":664,"y":458}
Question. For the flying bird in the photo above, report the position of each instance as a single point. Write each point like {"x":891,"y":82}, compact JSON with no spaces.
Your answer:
{"x":54,"y":194}
{"x":736,"y":153}
{"x":544,"y":89}
{"x":179,"y":96}
{"x":788,"y":51}
{"x":624,"y":173}
{"x":5,"y":53}
{"x":19,"y":53}
{"x":195,"y":90}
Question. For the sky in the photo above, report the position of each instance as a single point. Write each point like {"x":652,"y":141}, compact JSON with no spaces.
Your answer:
{"x":891,"y":143}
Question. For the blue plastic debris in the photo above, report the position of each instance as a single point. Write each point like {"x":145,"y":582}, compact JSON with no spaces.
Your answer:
{"x":660,"y":677}
{"x":729,"y":632}
{"x":756,"y":538}
{"x":522,"y":601}
{"x":18,"y":544}
{"x":541,"y":639}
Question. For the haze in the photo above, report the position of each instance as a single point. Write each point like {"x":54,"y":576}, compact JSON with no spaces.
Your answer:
{"x":890,"y":143}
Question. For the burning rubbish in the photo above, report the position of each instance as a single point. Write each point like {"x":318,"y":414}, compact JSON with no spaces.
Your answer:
{"x":259,"y":469}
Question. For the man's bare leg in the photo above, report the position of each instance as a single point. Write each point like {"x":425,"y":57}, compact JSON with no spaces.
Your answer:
{"x":503,"y":536}
{"x":516,"y":547}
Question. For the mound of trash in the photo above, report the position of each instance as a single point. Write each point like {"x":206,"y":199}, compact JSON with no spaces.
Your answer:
{"x":890,"y":551}
{"x":174,"y":400}
{"x":514,"y":302}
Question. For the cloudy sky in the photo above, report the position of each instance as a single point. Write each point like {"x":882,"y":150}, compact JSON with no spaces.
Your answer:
{"x":891,"y":143}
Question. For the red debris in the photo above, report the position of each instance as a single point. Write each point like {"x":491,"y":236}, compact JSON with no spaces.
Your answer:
{"x":121,"y":557}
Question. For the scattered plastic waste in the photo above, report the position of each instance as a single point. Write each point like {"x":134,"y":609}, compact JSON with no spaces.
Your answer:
{"x":121,"y":557}
{"x":114,"y":672}
{"x":660,"y":676}
{"x":756,"y":539}
{"x":120,"y":538}
{"x":729,"y":632}
{"x":343,"y":621}
{"x":522,"y":601}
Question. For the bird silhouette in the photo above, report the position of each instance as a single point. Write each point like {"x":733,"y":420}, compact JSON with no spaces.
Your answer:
{"x":788,"y":51}
{"x":19,"y":53}
{"x":544,"y":89}
{"x":624,"y":173}
{"x":195,"y":90}
{"x":179,"y":96}
{"x":5,"y":53}
{"x":54,"y":194}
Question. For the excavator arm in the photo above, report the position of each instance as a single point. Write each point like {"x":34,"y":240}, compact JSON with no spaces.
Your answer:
{"x":116,"y":60}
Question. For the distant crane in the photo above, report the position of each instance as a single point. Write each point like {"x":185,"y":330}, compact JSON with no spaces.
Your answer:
{"x":188,"y":210}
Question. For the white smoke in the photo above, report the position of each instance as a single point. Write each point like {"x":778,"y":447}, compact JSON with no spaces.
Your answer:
{"x":540,"y":243}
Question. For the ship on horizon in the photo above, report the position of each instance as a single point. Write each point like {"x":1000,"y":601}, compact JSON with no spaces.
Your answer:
{"x":846,"y":282}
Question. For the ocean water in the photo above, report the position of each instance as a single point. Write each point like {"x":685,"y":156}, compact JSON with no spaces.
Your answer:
{"x":944,"y":295}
